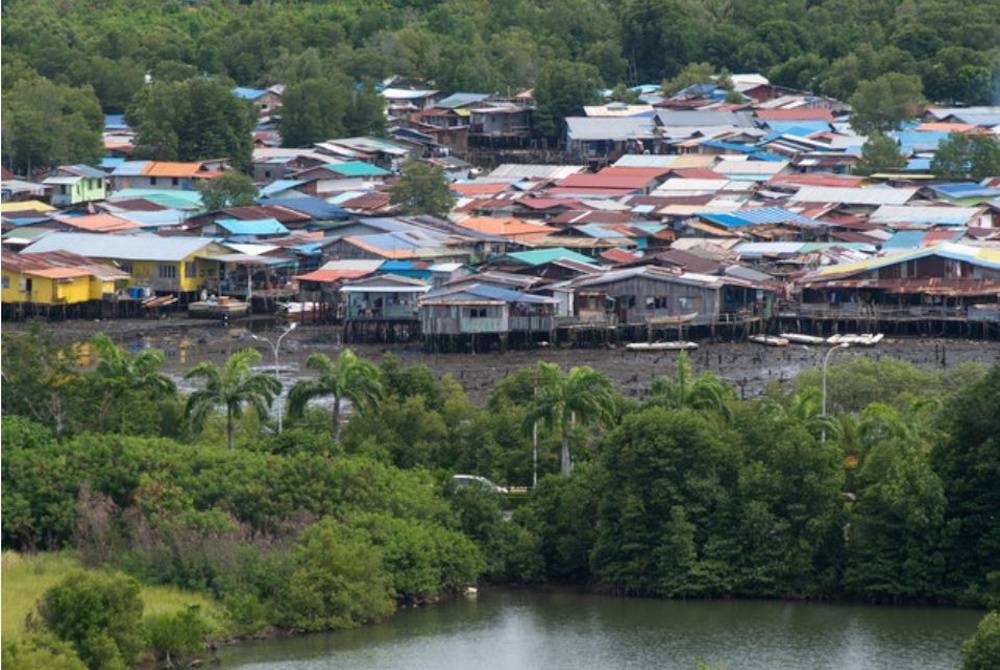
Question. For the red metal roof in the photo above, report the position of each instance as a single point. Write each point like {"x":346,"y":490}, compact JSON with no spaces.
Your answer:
{"x":618,"y":256}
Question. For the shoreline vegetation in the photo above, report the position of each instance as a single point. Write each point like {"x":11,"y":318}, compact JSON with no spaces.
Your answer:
{"x":345,"y":516}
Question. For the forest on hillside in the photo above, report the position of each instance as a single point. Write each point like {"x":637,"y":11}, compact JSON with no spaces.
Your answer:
{"x":65,"y":62}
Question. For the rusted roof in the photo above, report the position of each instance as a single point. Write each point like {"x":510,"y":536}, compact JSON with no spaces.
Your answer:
{"x":478,"y":188}
{"x":97,"y":223}
{"x":798,"y":114}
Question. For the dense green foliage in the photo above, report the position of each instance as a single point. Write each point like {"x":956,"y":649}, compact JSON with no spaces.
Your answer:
{"x":982,"y":650}
{"x":422,"y":189}
{"x":564,"y":48}
{"x":967,"y":156}
{"x":100,"y":615}
{"x":229,"y":189}
{"x":693,"y":494}
{"x":879,"y":154}
{"x":190,"y":120}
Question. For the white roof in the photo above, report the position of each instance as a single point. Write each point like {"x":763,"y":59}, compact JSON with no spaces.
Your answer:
{"x":742,"y":166}
{"x":62,"y":180}
{"x":924,"y":214}
{"x":406,"y":94}
{"x":252,"y":249}
{"x":616,"y":109}
{"x":533,"y":171}
{"x":873,"y":195}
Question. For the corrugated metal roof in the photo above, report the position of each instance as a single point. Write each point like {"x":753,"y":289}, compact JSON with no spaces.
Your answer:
{"x":123,"y":247}
{"x":248,"y":93}
{"x":939,"y":215}
{"x":357,"y":169}
{"x":618,"y":129}
{"x":875,"y":195}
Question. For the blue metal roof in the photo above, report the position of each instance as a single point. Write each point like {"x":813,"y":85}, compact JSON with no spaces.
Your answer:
{"x":965,"y":189}
{"x":356,"y":169}
{"x":111,"y":162}
{"x":542,"y":256}
{"x":115,"y":122}
{"x":456,"y":100}
{"x":492,"y":292}
{"x":755,"y":216}
{"x":248,"y":93}
{"x":912,"y":141}
{"x":905,"y":239}
{"x":800,"y":128}
{"x":729,"y":146}
{"x":315,"y":207}
{"x":278,"y":186}
{"x":253,"y":227}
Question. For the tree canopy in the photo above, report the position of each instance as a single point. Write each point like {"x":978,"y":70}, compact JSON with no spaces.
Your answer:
{"x":422,"y":189}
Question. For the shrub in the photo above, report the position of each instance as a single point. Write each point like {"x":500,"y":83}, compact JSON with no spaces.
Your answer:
{"x":100,"y":615}
{"x":178,"y":633}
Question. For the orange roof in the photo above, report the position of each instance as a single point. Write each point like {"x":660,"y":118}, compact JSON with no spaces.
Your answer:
{"x":98,"y":223}
{"x":59,"y":273}
{"x":475,"y":188}
{"x":171,"y":169}
{"x":504,"y":226}
{"x":817,"y":179}
{"x":946,"y":127}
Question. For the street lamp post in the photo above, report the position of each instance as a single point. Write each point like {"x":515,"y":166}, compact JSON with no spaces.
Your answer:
{"x":275,"y":348}
{"x":826,"y":364}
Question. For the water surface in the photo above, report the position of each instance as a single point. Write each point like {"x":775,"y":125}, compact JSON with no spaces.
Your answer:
{"x":523,"y":629}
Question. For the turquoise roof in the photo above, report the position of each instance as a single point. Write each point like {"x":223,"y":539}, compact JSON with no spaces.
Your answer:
{"x":542,"y":256}
{"x":357,"y":169}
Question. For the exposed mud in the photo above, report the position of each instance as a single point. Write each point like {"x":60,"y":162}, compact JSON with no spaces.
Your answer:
{"x":750,"y":367}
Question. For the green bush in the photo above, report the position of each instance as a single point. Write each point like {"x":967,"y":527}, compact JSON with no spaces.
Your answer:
{"x":173,"y":635}
{"x":39,"y":651}
{"x":337,"y":581}
{"x":982,"y":650}
{"x":100,"y":615}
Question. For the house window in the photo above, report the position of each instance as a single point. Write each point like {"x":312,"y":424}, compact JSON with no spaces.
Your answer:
{"x":175,"y":181}
{"x":168,"y":272}
{"x":689,"y":304}
{"x":190,"y":270}
{"x":152,"y":181}
{"x":477,"y":312}
{"x":267,"y":174}
{"x":6,"y":282}
{"x":657,"y":302}
{"x":63,"y":189}
{"x":25,"y":285}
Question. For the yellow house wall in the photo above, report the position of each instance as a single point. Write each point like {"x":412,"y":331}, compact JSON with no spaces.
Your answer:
{"x":45,"y":291}
{"x":72,"y":291}
{"x":147,"y":273}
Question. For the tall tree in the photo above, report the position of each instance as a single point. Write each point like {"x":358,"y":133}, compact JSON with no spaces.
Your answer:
{"x":982,"y":650}
{"x":882,"y":104}
{"x":194,"y":119}
{"x":563,"y":400}
{"x":348,"y":377}
{"x":229,"y":189}
{"x":118,"y":373}
{"x":313,"y":110}
{"x":422,"y":189}
{"x":961,"y":156}
{"x":232,"y":387}
{"x":879,"y":153}
{"x":562,"y":89}
{"x":47,"y":124}
{"x":706,"y":391}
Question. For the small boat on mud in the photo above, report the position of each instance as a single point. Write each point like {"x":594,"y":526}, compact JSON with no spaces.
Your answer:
{"x":769,"y":340}
{"x":796,"y":338}
{"x":661,"y":346}
{"x":866,"y":340}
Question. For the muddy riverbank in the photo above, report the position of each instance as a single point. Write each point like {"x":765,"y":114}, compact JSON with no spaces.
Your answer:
{"x":750,"y":367}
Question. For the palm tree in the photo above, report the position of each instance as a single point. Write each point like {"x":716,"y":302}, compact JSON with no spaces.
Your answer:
{"x":118,"y":372}
{"x":912,"y":425}
{"x":561,"y":400}
{"x":348,"y":377}
{"x":706,"y":391}
{"x":232,"y":387}
{"x":805,"y":408}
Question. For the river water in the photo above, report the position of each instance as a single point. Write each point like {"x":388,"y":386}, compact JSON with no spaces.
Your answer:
{"x":567,"y":631}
